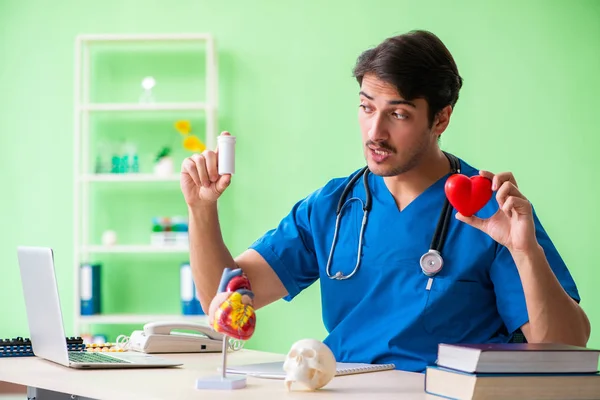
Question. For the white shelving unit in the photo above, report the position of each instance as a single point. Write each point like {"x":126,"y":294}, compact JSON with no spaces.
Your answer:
{"x":139,"y":177}
{"x":84,"y":178}
{"x":135,"y":249}
{"x":144,"y":107}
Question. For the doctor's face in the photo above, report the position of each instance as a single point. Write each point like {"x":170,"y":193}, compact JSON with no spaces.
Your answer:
{"x":395,"y":132}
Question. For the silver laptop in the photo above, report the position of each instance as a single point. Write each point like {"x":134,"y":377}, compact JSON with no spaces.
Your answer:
{"x":45,"y":320}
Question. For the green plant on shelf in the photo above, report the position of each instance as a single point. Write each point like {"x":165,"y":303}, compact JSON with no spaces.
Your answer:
{"x":164,"y":152}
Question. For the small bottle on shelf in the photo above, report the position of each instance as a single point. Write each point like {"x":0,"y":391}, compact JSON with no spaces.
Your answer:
{"x":148,"y":84}
{"x":130,"y":159}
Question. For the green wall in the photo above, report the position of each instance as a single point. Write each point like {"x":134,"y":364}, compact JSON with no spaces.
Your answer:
{"x":529,"y":105}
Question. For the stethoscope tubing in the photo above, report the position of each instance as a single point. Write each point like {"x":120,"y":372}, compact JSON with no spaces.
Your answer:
{"x":431,"y":262}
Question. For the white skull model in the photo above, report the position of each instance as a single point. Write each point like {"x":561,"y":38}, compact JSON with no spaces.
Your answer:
{"x":311,"y":363}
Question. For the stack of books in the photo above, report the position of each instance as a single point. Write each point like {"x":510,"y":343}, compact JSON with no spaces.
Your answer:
{"x":514,"y":371}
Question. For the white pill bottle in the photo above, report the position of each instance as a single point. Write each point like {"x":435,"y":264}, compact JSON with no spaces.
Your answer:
{"x":226,"y":153}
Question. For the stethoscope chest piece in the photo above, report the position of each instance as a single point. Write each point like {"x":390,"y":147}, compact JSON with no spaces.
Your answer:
{"x":431,"y":262}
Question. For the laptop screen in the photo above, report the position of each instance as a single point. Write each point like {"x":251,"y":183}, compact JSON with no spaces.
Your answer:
{"x":42,"y":303}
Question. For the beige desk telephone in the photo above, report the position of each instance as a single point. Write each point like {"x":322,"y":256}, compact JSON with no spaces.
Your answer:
{"x":160,"y":337}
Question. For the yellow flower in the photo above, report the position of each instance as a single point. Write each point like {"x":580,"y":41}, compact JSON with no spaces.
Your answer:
{"x":184,"y":127}
{"x":192,"y":143}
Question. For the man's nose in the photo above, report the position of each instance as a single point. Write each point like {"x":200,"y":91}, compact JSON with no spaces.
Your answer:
{"x":378,"y":131}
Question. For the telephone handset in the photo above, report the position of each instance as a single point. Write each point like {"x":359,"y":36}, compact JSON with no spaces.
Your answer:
{"x":166,"y":327}
{"x":160,"y":337}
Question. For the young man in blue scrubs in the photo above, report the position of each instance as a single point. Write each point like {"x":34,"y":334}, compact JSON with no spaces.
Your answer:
{"x":501,"y":271}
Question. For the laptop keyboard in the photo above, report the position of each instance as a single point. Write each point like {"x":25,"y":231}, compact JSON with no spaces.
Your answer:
{"x":85,"y":357}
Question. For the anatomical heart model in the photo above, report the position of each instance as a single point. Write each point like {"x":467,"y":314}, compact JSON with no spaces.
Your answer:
{"x":235,"y":316}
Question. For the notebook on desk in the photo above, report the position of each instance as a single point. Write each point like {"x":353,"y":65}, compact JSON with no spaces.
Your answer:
{"x":274,"y":370}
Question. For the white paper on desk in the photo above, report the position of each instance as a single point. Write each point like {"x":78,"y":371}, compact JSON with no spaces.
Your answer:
{"x":274,"y":370}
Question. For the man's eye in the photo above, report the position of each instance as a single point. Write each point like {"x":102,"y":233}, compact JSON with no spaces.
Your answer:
{"x":399,"y":115}
{"x":365,"y":107}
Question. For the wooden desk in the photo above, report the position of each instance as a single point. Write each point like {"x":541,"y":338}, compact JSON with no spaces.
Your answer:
{"x":179,"y":382}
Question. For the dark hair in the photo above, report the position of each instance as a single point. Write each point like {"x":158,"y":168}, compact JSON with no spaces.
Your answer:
{"x":418,"y":64}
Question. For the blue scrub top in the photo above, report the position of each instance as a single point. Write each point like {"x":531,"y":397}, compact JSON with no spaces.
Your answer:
{"x":385,"y":313}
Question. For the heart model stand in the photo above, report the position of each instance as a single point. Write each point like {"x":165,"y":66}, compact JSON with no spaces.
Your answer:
{"x":222,"y":382}
{"x":235,"y":282}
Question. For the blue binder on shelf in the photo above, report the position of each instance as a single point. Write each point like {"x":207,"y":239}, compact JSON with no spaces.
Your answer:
{"x":90,"y":288}
{"x":190,"y":303}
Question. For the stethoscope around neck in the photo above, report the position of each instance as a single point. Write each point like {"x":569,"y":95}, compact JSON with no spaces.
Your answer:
{"x":431,"y":262}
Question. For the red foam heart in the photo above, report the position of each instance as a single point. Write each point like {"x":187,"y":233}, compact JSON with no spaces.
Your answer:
{"x":468,"y":195}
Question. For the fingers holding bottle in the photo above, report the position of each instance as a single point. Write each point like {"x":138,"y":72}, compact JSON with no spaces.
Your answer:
{"x":204,"y":177}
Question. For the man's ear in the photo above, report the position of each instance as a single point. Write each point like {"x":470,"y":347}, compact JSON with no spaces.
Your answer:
{"x":441,"y":121}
